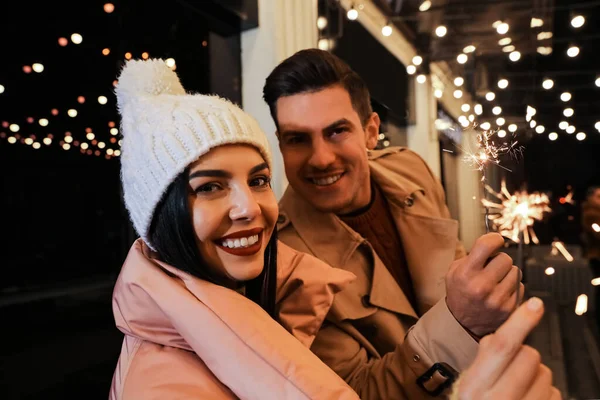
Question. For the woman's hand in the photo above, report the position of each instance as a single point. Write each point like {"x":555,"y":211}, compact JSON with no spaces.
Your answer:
{"x":505,"y":368}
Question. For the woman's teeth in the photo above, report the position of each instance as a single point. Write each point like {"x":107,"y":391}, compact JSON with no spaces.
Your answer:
{"x":240,"y":242}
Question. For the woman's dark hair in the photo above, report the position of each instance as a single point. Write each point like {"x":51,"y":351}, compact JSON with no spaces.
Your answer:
{"x":172,"y":235}
{"x":312,"y":70}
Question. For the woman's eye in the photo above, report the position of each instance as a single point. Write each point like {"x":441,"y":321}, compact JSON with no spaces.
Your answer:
{"x":261,"y":181}
{"x":208,"y":188}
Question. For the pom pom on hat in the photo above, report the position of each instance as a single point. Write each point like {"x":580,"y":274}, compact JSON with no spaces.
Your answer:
{"x":151,"y":78}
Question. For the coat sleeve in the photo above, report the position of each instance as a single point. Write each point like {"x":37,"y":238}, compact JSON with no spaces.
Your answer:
{"x":436,"y":337}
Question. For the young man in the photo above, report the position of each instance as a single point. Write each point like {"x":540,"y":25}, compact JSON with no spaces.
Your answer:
{"x":413,"y":317}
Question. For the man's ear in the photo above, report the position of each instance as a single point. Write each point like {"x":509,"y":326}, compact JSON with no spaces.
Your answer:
{"x":372,"y":131}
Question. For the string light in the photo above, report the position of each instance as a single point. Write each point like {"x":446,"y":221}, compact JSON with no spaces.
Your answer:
{"x":170,"y":62}
{"x":66,"y":146}
{"x":69,"y":139}
{"x":490,"y":96}
{"x":573,"y":51}
{"x":465,"y":107}
{"x":438,"y":93}
{"x":84,"y":146}
{"x":540,"y":129}
{"x":571,"y":129}
{"x":411,"y":69}
{"x":352,"y":14}
{"x":386,"y":30}
{"x":544,"y":36}
{"x":37,"y":67}
{"x":512,"y":128}
{"x":27,"y":69}
{"x":102,"y":100}
{"x":580,"y":136}
{"x":76,"y":38}
{"x":417,"y":60}
{"x":109,"y":8}
{"x":536,"y":22}
{"x":462,"y":58}
{"x":441,"y":31}
{"x":544,"y":50}
{"x":563,"y":125}
{"x":322,"y":23}
{"x":503,"y":28}
{"x":497,"y":110}
{"x":426,"y":5}
{"x":43,"y":122}
{"x":72,"y":113}
{"x":458,"y":94}
{"x":114,"y":131}
{"x":500,"y":121}
{"x":598,"y":81}
{"x":597,"y":126}
{"x":553,"y":136}
{"x":458,"y":81}
{"x":12,"y":140}
{"x":90,"y":136}
{"x":47,"y":141}
{"x":478,"y":109}
{"x":568,"y":112}
{"x":128,"y":56}
{"x":63,"y":41}
{"x":548,"y":84}
{"x":106,"y":51}
{"x":485,"y":126}
{"x":501,"y":133}
{"x":550,"y":271}
{"x":145,"y":55}
{"x":508,"y":49}
{"x":503,"y":83}
{"x":532,"y":123}
{"x":514,"y":56}
{"x":504,"y":41}
{"x":1,"y":89}
{"x":14,"y":128}
{"x":469,"y":49}
{"x":566,"y":96}
{"x":29,"y":141}
{"x":578,"y":21}
{"x":421,"y":78}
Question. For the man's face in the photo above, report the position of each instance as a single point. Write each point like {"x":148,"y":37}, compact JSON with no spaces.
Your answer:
{"x":595,"y":198}
{"x":324,"y":147}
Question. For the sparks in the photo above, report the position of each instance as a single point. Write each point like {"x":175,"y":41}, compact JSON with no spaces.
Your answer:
{"x":563,"y":250}
{"x":490,"y":152}
{"x":516,"y":213}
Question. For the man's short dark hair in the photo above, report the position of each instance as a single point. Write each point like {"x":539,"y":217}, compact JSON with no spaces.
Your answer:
{"x":313,"y":70}
{"x":591,"y":191}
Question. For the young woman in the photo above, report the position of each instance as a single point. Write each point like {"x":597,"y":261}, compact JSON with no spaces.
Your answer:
{"x":210,"y":304}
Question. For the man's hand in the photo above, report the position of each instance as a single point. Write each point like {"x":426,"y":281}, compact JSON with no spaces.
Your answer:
{"x":504,"y":368}
{"x":481,"y":287}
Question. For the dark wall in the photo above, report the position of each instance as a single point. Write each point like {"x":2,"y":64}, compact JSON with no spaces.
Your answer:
{"x":384,"y":74}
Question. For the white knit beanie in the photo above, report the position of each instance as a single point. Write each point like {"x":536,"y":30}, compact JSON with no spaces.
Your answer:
{"x":165,"y":130}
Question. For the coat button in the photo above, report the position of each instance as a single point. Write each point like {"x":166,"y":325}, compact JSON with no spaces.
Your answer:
{"x":366,"y":300}
{"x":416,"y":358}
{"x":409,"y":201}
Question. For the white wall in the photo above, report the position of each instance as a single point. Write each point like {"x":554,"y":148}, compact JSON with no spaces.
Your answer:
{"x":285,"y":27}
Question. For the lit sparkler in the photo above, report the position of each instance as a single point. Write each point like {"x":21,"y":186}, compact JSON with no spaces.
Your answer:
{"x":516,"y":213}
